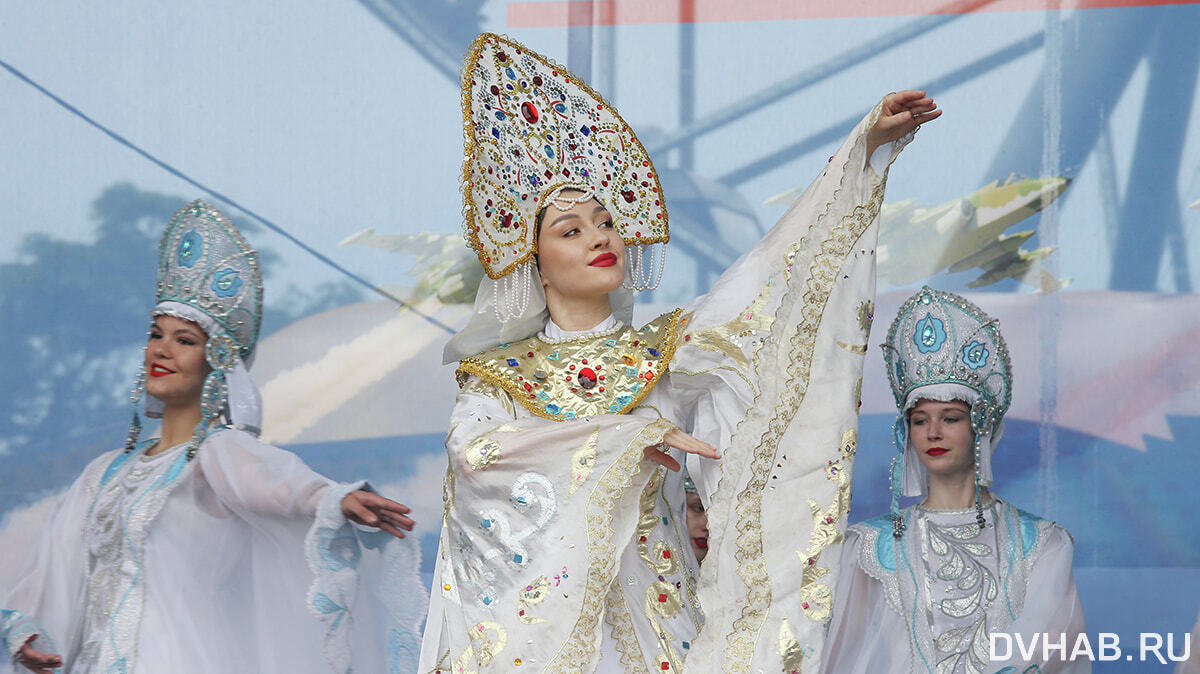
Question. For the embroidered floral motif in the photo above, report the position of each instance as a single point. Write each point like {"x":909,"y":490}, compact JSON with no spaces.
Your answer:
{"x":975,"y":355}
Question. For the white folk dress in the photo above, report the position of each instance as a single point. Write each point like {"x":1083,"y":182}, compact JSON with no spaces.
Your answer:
{"x":237,"y":561}
{"x":929,"y":602}
{"x":564,"y":550}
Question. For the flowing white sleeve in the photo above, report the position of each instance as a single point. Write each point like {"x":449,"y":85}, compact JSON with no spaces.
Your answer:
{"x":1052,"y":606}
{"x":865,"y":634}
{"x":361,"y":583}
{"x":47,"y":600}
{"x":772,"y":361}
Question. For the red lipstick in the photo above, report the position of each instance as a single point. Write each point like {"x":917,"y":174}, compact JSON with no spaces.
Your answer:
{"x":936,"y":451}
{"x":603,"y":260}
{"x":157,"y":370}
{"x":701,"y":543}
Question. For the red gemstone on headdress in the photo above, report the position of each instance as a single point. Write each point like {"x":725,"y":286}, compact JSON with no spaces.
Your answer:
{"x":507,"y":219}
{"x":537,"y":80}
{"x":495,"y":90}
{"x":628,"y":195}
{"x":529,"y":112}
{"x":502,"y":56}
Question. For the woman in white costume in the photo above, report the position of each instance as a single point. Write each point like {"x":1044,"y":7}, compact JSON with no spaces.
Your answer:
{"x":564,"y":545}
{"x":922,"y":589}
{"x":205,"y":550}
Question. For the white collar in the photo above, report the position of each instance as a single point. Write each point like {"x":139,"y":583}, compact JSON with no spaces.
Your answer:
{"x":554,"y":332}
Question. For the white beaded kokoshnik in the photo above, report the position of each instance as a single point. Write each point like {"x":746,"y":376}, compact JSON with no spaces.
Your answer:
{"x":209,"y":274}
{"x":940,"y":338}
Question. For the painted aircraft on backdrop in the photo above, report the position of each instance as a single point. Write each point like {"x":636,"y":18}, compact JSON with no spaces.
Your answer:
{"x":970,"y":231}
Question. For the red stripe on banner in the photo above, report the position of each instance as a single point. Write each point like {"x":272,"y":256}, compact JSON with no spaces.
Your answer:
{"x":558,"y":13}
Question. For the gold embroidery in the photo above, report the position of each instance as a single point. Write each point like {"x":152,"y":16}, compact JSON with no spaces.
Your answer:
{"x":791,"y":653}
{"x":584,"y":376}
{"x":720,"y":338}
{"x":816,"y":598}
{"x":533,"y":594}
{"x":579,"y":649}
{"x":582,"y":462}
{"x":662,"y":599}
{"x":770,"y":427}
{"x":447,"y":495}
{"x":866,"y":314}
{"x":483,"y":451}
{"x":486,"y":648}
{"x":853,"y":348}
{"x":619,"y":618}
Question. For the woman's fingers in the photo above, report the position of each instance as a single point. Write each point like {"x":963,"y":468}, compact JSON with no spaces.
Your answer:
{"x":36,"y":661}
{"x":358,"y":512}
{"x":397,"y":520}
{"x":680,"y":440}
{"x":374,"y":510}
{"x":384,"y":526}
{"x":377,"y":502}
{"x":661,"y":458}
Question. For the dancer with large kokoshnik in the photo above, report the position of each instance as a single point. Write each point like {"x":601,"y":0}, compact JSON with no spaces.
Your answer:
{"x":564,"y":545}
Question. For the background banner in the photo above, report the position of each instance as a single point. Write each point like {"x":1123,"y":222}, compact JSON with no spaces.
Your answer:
{"x":1059,"y":191}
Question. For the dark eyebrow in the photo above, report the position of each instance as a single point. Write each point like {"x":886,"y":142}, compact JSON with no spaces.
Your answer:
{"x":564,"y":216}
{"x":187,"y":331}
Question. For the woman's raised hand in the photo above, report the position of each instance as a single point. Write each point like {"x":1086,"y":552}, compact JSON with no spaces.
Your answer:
{"x":902,"y":112}
{"x":42,"y":663}
{"x":372,"y":510}
{"x":680,"y":440}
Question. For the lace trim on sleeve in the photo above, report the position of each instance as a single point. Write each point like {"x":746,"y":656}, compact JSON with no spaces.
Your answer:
{"x":333,"y":547}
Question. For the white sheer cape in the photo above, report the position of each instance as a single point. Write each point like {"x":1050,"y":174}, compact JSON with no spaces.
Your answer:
{"x":239,"y":560}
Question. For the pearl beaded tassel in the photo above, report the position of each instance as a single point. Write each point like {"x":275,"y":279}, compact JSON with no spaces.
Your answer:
{"x":512,"y":293}
{"x":639,"y":272}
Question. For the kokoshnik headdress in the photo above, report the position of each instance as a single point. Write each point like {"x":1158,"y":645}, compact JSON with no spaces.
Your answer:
{"x":208,"y":274}
{"x":532,"y":130}
{"x":943,"y":347}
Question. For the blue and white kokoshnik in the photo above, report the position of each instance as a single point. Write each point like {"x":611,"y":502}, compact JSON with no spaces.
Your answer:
{"x":943,"y":347}
{"x":208,"y":274}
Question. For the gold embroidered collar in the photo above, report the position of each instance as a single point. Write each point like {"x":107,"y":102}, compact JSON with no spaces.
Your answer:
{"x":583,"y":376}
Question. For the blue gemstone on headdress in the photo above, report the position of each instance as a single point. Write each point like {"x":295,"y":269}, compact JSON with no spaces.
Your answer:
{"x":653,"y":352}
{"x":624,"y":400}
{"x":510,"y":73}
{"x":226,"y":283}
{"x":500,"y":116}
{"x":553,"y":409}
{"x":549,"y":151}
{"x":190,"y":249}
{"x":560,"y":107}
{"x":495,"y":132}
{"x":585,"y":130}
{"x":929,"y":335}
{"x":512,"y":362}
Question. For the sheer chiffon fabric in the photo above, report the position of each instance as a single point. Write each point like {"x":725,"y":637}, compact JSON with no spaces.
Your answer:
{"x":226,"y":563}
